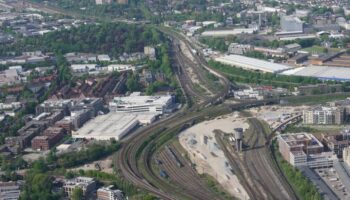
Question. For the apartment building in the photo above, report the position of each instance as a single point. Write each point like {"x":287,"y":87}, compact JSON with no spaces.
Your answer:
{"x":324,"y":115}
{"x":87,"y":184}
{"x":107,"y":193}
{"x":48,"y":139}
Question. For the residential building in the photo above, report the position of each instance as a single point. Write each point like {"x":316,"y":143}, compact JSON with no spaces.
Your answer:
{"x":87,"y":184}
{"x":101,"y":2}
{"x":107,"y":193}
{"x":49,"y":106}
{"x":346,"y":156}
{"x":150,"y":52}
{"x":84,"y":68}
{"x":141,"y":104}
{"x":337,"y":143}
{"x":79,"y":117}
{"x":9,"y":191}
{"x":9,"y":77}
{"x":25,"y":135}
{"x":324,"y":115}
{"x":66,"y":124}
{"x":103,"y":58}
{"x":48,"y":139}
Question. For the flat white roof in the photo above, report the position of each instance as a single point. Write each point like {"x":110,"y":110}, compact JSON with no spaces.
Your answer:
{"x":252,"y":63}
{"x":105,"y":127}
{"x":322,"y":72}
{"x":135,"y":98}
{"x":228,"y":32}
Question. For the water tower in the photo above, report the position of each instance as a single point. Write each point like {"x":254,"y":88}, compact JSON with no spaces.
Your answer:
{"x":238,"y":134}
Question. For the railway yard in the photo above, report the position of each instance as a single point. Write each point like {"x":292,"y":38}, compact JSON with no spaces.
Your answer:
{"x":168,"y":180}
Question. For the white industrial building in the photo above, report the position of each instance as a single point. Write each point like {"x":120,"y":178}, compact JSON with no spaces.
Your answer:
{"x":113,"y":125}
{"x":105,"y":127}
{"x":322,"y":72}
{"x":252,"y":63}
{"x":224,"y":33}
{"x":120,"y":68}
{"x":82,"y":68}
{"x":135,"y":103}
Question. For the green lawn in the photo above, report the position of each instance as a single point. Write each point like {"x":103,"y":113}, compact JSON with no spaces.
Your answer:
{"x":319,"y":49}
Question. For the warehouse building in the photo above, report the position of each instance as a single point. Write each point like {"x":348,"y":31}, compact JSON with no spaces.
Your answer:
{"x":105,"y":127}
{"x":321,"y":72}
{"x":252,"y":63}
{"x":303,"y":149}
{"x":224,"y":33}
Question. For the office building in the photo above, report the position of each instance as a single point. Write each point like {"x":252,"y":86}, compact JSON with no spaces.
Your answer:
{"x":303,"y":149}
{"x":135,"y":103}
{"x":291,"y":24}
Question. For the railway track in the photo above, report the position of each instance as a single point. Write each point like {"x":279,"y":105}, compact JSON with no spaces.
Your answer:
{"x":186,"y":177}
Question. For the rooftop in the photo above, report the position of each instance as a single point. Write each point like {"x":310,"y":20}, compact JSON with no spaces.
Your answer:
{"x":105,"y":127}
{"x":252,"y":63}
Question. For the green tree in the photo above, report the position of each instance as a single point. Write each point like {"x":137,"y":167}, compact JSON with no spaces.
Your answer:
{"x":77,"y":194}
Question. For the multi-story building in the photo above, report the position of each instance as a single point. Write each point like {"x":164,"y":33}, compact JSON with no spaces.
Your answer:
{"x":70,"y":105}
{"x":346,"y":156}
{"x":48,"y":139}
{"x":25,"y":135}
{"x":337,"y":143}
{"x":92,"y":104}
{"x":66,"y":124}
{"x":107,"y":193}
{"x":9,"y":191}
{"x":50,"y":118}
{"x":303,"y":149}
{"x":88,"y":185}
{"x":101,"y":2}
{"x":135,"y":103}
{"x":150,"y":52}
{"x":324,"y":115}
{"x":292,"y":24}
{"x":79,"y":117}
{"x":52,"y":105}
{"x":240,"y":49}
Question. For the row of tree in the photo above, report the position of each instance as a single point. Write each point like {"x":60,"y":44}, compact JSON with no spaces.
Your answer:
{"x":304,"y":188}
{"x":246,"y":76}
